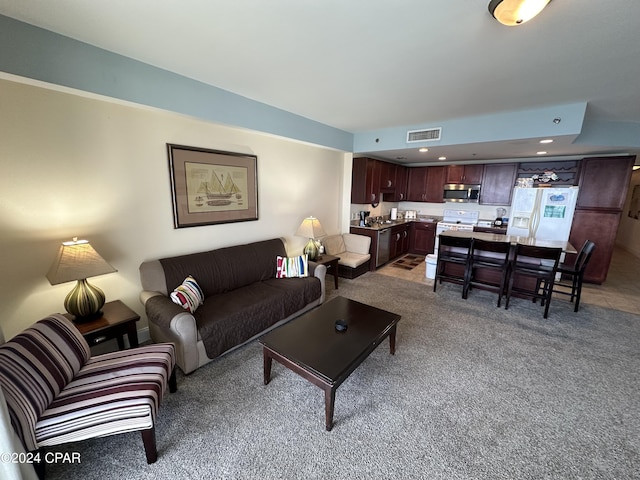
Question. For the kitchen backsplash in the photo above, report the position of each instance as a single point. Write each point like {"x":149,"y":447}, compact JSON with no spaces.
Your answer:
{"x":487,"y":212}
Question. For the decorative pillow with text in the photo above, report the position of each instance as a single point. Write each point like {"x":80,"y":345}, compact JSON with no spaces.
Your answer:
{"x":291,"y":267}
{"x":189,"y":295}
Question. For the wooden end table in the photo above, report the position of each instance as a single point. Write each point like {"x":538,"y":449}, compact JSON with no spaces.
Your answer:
{"x":117,"y":321}
{"x":331,"y":263}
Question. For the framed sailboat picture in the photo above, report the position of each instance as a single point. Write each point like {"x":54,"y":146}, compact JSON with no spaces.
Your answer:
{"x":212,"y":186}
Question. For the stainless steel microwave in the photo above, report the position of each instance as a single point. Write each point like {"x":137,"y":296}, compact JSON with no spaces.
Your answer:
{"x":455,"y":192}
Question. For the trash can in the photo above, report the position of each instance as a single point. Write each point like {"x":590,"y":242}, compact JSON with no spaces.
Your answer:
{"x":431,"y":261}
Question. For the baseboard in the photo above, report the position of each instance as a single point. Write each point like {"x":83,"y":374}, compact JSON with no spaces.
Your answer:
{"x":144,"y":336}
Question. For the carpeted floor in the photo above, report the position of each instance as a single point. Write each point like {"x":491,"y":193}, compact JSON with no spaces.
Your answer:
{"x":408,"y":262}
{"x":473,"y":392}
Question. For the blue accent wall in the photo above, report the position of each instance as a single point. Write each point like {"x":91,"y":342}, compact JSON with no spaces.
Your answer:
{"x":39,"y":54}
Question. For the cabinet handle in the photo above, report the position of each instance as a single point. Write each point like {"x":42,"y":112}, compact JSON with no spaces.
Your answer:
{"x":389,"y":183}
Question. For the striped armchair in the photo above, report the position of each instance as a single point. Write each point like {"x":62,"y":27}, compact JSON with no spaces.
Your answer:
{"x":57,"y":393}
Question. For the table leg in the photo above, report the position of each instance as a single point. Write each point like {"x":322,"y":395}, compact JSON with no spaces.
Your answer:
{"x":267,"y":361}
{"x":392,"y":341}
{"x":120,"y":340}
{"x":335,"y":273}
{"x":329,"y":401}
{"x":132,"y":334}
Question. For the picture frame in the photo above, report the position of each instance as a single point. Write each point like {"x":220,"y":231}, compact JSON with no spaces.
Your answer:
{"x":209,"y":187}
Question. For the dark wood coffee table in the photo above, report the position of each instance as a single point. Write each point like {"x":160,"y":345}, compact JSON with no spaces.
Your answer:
{"x":311,"y":346}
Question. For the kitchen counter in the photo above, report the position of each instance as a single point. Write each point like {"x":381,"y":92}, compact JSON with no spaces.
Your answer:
{"x":392,"y":223}
{"x":512,"y":239}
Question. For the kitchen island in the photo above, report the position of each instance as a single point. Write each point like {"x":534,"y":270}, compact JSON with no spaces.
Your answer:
{"x":513,"y":240}
{"x":490,"y":276}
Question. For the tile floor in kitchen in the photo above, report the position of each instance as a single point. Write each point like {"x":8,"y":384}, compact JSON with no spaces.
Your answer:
{"x":621,"y":290}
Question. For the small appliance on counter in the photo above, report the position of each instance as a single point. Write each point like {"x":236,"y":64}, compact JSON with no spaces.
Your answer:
{"x":410,"y":215}
{"x":363,"y":218}
{"x":500,"y":215}
{"x":394,"y":214}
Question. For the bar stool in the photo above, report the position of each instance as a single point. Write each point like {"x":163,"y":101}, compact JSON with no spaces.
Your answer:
{"x":538,"y":264}
{"x":576,"y":273}
{"x":455,"y":251}
{"x":491,"y":256}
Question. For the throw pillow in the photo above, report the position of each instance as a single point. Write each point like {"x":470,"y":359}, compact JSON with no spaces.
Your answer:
{"x":189,"y":295}
{"x":290,"y":267}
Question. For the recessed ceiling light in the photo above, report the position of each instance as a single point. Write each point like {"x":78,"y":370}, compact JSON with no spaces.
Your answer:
{"x":423,"y":150}
{"x":546,"y":140}
{"x":442,"y":158}
{"x":541,"y":153}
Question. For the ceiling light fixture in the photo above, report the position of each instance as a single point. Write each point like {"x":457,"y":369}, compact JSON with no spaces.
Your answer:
{"x":423,"y":150}
{"x":516,"y":12}
{"x":442,"y":158}
{"x":546,"y":140}
{"x":541,"y":153}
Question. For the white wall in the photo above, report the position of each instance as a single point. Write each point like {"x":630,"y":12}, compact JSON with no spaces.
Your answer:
{"x":86,"y":167}
{"x":629,"y":229}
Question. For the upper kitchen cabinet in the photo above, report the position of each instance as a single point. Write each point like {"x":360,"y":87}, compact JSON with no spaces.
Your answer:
{"x":435,"y":184}
{"x":399,"y":194}
{"x":603,"y":182}
{"x":388,"y":180}
{"x":365,"y":181}
{"x":497,"y":183}
{"x":417,"y":184}
{"x":426,"y":184}
{"x":468,"y":174}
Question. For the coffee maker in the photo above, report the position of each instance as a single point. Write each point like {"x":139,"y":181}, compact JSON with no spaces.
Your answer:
{"x":363,"y":218}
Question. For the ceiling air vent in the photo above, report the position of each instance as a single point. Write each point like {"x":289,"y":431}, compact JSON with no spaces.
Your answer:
{"x":426,"y":135}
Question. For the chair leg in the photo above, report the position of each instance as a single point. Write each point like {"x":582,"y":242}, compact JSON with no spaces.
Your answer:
{"x":149,"y":441}
{"x":173,"y":384}
{"x":547,"y":297}
{"x":578,"y":292}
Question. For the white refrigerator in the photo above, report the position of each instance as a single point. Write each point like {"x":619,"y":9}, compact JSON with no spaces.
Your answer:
{"x":543,"y":213}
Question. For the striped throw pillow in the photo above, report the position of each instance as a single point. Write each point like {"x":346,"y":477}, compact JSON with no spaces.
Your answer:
{"x":189,"y":295}
{"x":291,"y":267}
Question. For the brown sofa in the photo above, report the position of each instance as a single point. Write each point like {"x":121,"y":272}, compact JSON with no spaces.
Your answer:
{"x":242,"y":298}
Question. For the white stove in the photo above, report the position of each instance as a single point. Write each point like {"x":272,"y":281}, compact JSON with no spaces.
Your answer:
{"x":461,"y":220}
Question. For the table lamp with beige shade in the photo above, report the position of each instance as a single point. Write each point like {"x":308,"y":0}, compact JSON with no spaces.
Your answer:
{"x":77,"y":260}
{"x":312,"y":229}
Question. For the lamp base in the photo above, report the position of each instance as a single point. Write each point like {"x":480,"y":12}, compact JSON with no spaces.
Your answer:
{"x":84,"y":302}
{"x":311,"y":249}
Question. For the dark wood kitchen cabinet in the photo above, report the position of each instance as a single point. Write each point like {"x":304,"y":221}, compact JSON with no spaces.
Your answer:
{"x":422,"y":238}
{"x":599,"y":227}
{"x":603,"y":182}
{"x":426,"y":184}
{"x":498,"y":181}
{"x":417,"y":184}
{"x":435,"y":184}
{"x":365,"y":180}
{"x":399,"y":240}
{"x":468,"y":174}
{"x":388,"y":180}
{"x":399,"y":194}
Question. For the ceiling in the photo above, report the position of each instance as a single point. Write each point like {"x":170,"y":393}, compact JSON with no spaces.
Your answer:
{"x":371,"y":65}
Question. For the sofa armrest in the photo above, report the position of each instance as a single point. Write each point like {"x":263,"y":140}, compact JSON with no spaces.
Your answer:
{"x":318,"y":271}
{"x":357,"y":243}
{"x":169,"y":322}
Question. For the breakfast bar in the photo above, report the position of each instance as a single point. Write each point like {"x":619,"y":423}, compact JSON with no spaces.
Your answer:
{"x":496,"y":264}
{"x":513,"y":240}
